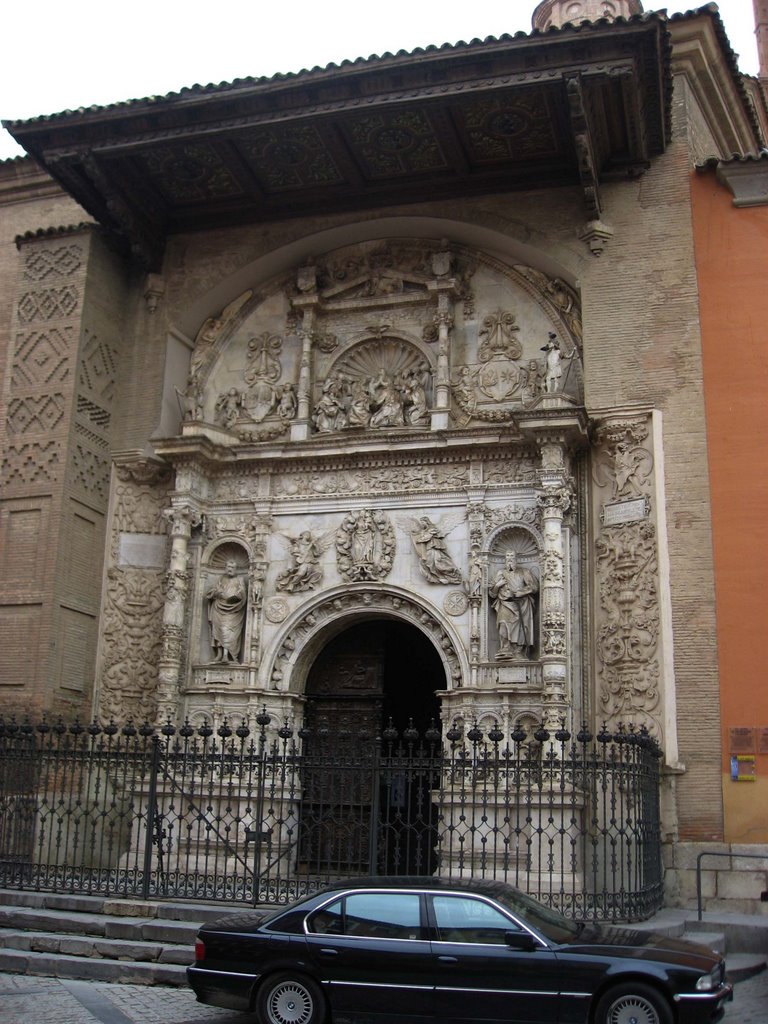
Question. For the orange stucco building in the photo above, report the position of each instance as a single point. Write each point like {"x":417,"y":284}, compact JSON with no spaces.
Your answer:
{"x":730,"y":215}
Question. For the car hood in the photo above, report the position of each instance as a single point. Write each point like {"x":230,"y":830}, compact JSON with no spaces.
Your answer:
{"x":628,"y":942}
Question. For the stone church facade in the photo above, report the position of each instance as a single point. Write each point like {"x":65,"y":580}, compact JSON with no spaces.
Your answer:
{"x":376,"y":390}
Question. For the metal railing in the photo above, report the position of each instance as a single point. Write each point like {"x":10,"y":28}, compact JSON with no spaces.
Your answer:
{"x":265,"y":816}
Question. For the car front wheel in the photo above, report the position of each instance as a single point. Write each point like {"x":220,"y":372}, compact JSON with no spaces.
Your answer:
{"x":290,"y":999}
{"x":633,"y":1003}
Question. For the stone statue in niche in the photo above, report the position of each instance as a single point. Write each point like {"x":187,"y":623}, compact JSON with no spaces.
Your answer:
{"x":435,"y":564}
{"x":513,"y":594}
{"x":554,"y":360}
{"x":305,"y":573}
{"x":227,"y":600}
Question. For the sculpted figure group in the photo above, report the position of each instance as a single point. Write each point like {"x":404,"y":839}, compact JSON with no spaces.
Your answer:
{"x":365,"y":546}
{"x":383,"y":400}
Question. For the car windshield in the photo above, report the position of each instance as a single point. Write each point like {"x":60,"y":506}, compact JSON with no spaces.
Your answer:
{"x":549,"y":922}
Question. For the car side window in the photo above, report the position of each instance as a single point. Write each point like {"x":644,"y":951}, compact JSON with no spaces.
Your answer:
{"x":383,"y":915}
{"x":378,"y":915}
{"x":329,"y":920}
{"x":465,"y":919}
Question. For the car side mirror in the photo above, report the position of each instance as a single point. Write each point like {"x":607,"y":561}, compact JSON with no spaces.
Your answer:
{"x":522,"y":941}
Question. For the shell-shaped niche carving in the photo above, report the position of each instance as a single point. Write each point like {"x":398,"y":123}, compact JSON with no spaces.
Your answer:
{"x":381,"y":383}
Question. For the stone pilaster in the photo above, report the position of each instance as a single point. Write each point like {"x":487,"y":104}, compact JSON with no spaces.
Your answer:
{"x":182,"y":519}
{"x":554,"y":502}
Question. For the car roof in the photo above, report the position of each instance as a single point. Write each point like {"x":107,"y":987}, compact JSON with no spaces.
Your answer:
{"x":486,"y":887}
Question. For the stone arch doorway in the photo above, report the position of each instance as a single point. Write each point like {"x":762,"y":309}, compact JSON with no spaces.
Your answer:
{"x":366,"y":790}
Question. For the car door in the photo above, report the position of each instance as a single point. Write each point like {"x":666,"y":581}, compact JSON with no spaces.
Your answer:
{"x":371,"y":950}
{"x":479,"y":975}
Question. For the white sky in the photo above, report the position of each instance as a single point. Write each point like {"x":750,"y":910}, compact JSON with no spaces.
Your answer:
{"x":63,"y":55}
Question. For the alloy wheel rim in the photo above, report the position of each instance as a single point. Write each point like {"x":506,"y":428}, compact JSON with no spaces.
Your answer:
{"x":632,"y":1010}
{"x":290,"y":1003}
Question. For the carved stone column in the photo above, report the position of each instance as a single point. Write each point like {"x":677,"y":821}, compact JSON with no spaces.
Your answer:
{"x":257,"y":573}
{"x":554,"y":501}
{"x":307,"y":302}
{"x":444,"y":323}
{"x":182,"y":519}
{"x":477,"y":583}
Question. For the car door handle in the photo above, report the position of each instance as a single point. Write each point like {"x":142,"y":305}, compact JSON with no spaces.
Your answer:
{"x":448,"y":959}
{"x":324,"y":951}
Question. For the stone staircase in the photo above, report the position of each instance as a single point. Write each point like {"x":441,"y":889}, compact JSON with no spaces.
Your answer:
{"x":98,"y":939}
{"x":151,"y":943}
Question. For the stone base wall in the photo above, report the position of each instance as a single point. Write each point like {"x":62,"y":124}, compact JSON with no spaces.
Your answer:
{"x":732,"y":881}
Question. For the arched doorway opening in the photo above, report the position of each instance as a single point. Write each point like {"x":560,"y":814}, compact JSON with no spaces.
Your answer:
{"x":368,"y":776}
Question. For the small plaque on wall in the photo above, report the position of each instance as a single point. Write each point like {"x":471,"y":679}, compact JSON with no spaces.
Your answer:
{"x":619,"y":512}
{"x":741,"y":740}
{"x":743,"y":768}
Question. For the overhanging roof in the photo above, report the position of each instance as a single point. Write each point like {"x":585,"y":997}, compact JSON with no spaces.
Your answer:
{"x":566,"y":107}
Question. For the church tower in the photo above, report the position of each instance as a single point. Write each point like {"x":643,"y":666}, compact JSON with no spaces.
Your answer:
{"x":556,"y":13}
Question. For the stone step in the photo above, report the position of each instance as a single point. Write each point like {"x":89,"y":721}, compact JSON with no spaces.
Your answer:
{"x":140,"y":929}
{"x":169,"y":909}
{"x":57,"y":965}
{"x":745,"y":965}
{"x":710,"y":939}
{"x":94,"y":946}
{"x":744,"y":933}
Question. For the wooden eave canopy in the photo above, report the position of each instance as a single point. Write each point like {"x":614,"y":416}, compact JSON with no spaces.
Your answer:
{"x":575,"y":106}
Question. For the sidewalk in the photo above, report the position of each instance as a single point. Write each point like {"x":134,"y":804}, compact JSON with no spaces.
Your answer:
{"x":25,"y":999}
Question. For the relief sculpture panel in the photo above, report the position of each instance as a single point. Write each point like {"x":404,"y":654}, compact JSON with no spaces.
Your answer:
{"x":627,"y":640}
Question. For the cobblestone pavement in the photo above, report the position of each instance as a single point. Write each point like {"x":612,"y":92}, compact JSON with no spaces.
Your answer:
{"x":30,"y":1000}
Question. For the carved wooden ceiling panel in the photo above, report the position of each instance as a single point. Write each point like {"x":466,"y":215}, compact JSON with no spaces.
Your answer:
{"x":562,"y":108}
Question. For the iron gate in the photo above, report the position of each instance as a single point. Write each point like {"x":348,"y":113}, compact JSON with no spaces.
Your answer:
{"x":266,"y":816}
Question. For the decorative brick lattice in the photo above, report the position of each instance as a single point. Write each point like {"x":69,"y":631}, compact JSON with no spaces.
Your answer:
{"x":91,"y":471}
{"x":41,"y":358}
{"x":32,"y":463}
{"x":46,"y":264}
{"x":98,"y":369}
{"x":53,"y":303}
{"x":35,"y":414}
{"x":89,"y":412}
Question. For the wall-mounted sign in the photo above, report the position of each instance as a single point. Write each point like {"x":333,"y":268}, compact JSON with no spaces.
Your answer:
{"x":619,"y":512}
{"x":741,"y":740}
{"x":743,"y":768}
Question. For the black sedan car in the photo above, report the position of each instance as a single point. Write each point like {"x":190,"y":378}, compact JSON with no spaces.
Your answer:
{"x":416,"y":950}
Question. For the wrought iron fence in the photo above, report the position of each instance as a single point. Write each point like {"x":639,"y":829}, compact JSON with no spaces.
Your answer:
{"x":265,"y":816}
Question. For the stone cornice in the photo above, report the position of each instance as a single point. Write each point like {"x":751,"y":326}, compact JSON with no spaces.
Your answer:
{"x":699,"y":55}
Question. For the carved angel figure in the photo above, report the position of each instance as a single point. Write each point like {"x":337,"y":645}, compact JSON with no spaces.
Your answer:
{"x":435,"y":563}
{"x":305,"y":573}
{"x":631,"y":469}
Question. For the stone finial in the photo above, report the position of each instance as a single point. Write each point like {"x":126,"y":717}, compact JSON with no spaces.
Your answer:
{"x":557,"y":13}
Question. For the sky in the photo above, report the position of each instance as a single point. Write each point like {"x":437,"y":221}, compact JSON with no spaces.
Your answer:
{"x":64,"y":55}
